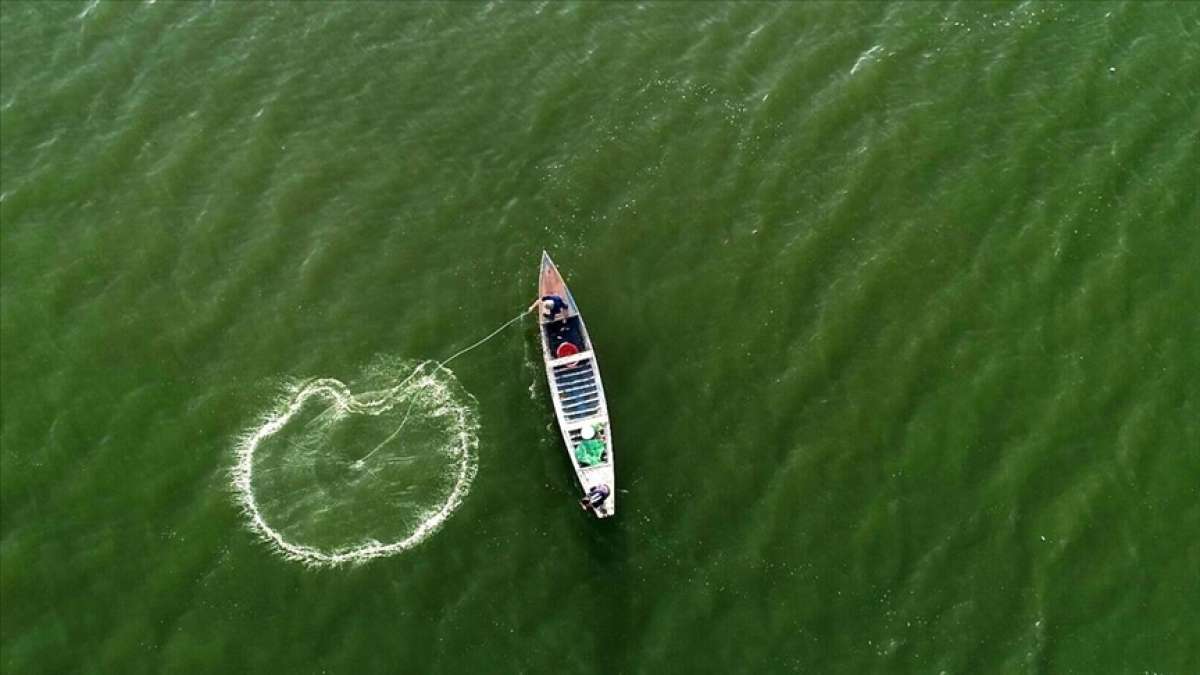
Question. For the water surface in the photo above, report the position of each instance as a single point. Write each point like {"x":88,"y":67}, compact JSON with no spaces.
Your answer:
{"x":896,"y":306}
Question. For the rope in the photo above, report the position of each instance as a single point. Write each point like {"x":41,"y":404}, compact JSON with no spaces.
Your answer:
{"x":489,"y":337}
{"x":441,"y":364}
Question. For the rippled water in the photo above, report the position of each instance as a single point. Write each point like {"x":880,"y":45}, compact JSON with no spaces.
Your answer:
{"x":896,"y":306}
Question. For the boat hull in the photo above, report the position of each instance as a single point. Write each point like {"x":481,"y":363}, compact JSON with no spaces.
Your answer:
{"x":576,"y":389}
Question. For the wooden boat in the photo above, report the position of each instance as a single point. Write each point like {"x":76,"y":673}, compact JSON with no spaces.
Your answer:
{"x":577,"y":394}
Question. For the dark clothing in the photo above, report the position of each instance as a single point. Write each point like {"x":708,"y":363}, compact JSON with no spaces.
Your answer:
{"x":557,"y":305}
{"x":597,"y":495}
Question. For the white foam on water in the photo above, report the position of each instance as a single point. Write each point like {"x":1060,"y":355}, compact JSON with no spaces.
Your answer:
{"x":436,"y":382}
{"x":88,"y":10}
{"x":865,"y":57}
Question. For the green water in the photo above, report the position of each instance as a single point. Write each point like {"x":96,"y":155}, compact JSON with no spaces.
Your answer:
{"x":896,"y":306}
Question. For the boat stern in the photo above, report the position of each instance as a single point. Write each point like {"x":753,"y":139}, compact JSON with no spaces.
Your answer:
{"x":601,"y":477}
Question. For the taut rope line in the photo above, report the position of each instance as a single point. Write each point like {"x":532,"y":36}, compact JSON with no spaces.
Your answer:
{"x":358,"y":464}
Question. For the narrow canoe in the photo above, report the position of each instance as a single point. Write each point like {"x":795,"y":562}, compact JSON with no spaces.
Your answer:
{"x":577,"y":392}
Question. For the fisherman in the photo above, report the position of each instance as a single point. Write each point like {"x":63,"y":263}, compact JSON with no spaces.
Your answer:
{"x":595,"y":497}
{"x":551,"y":305}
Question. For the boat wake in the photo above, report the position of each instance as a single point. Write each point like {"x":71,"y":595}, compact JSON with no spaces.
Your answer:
{"x":329,"y":477}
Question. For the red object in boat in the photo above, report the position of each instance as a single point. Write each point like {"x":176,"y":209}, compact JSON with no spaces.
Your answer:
{"x":566,"y":349}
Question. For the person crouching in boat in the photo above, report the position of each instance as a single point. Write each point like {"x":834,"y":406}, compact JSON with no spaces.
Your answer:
{"x":551,"y":305}
{"x":595,"y":498}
